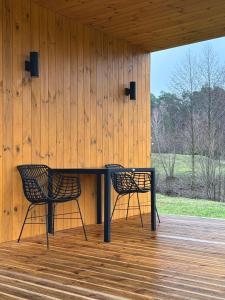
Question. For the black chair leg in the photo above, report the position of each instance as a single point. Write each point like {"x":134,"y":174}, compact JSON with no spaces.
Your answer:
{"x":139,"y":206}
{"x":84,"y":230}
{"x":128,"y":205}
{"x":24,"y":222}
{"x":157,"y":215}
{"x":46,"y":222}
{"x":114,"y":207}
{"x":53,"y":219}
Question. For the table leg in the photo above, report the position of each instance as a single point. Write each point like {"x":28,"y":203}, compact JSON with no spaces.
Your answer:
{"x":107,"y":206}
{"x":153,"y":202}
{"x":50,"y":218}
{"x":99,"y":199}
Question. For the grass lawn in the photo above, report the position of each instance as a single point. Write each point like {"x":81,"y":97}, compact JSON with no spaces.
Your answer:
{"x":182,"y":165}
{"x":190,"y":207}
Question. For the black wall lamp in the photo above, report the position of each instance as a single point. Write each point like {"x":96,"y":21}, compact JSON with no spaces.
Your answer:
{"x":32,"y":66}
{"x":131,"y":91}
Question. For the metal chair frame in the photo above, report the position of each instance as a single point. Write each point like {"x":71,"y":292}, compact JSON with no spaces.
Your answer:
{"x":130,"y":183}
{"x":42,"y":186}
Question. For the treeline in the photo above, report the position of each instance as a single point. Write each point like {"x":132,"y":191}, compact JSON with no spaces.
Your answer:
{"x":191,"y":120}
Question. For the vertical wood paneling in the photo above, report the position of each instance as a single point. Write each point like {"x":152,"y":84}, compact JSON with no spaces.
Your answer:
{"x":59,"y":105}
{"x":87,"y":123}
{"x":135,"y":116}
{"x":26,"y":98}
{"x":126,"y":107}
{"x":93,"y":99}
{"x":1,"y":115}
{"x":80,"y":107}
{"x":74,"y":115}
{"x":110,"y":133}
{"x":121,"y":100}
{"x":7,"y":176}
{"x":100,"y":78}
{"x":93,"y":121}
{"x":35,"y":101}
{"x":104,"y":87}
{"x":116,"y":100}
{"x":44,"y":86}
{"x":52,"y":87}
{"x":148,"y":110}
{"x":17,"y":112}
{"x":81,"y":100}
{"x":148,"y":113}
{"x":70,"y":81}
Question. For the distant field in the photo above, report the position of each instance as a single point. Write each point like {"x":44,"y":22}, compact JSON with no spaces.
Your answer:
{"x":182,"y":165}
{"x":190,"y":207}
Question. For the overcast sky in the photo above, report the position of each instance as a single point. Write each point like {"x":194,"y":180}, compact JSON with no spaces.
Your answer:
{"x":163,"y":63}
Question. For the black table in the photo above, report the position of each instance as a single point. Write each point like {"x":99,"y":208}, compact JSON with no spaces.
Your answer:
{"x":106,"y":172}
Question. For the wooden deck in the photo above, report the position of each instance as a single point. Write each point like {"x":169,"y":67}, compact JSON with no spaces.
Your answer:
{"x":185,"y":259}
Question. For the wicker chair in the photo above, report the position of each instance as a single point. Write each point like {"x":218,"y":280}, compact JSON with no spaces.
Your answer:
{"x":41,"y":186}
{"x":130,"y":183}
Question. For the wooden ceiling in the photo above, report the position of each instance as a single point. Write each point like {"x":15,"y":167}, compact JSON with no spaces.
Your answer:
{"x":152,"y":24}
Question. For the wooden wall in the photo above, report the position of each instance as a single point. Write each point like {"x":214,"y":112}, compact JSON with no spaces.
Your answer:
{"x":74,"y":115}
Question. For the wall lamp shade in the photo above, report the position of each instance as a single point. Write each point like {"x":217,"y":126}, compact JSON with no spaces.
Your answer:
{"x":32,"y":66}
{"x":131,"y":91}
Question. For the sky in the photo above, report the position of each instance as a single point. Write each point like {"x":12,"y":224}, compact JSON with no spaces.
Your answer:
{"x":164,"y":63}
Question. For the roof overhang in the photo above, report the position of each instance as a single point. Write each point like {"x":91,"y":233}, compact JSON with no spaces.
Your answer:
{"x":151,"y":24}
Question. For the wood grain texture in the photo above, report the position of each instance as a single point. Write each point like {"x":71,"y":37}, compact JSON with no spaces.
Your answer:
{"x":74,"y":115}
{"x":1,"y":109}
{"x":183,"y":260}
{"x":152,"y":25}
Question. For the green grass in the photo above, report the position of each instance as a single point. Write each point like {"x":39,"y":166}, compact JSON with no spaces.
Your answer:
{"x":191,"y":207}
{"x":182,"y":165}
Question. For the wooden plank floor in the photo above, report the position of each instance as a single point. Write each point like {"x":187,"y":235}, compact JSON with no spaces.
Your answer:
{"x":185,"y":259}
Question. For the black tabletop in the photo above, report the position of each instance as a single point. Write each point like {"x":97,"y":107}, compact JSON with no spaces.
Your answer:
{"x":102,"y":170}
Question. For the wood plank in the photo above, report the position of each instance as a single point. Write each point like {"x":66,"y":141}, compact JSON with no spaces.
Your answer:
{"x":52,"y":88}
{"x":100,"y":78}
{"x":80,"y":108}
{"x":183,"y":260}
{"x":93,"y":91}
{"x":7,"y":206}
{"x":35,"y":104}
{"x":135,"y":106}
{"x":88,"y":184}
{"x":148,"y":117}
{"x":1,"y":110}
{"x":121,"y":87}
{"x":59,"y":52}
{"x":17,"y":114}
{"x":26,"y":98}
{"x":110,"y":132}
{"x":44,"y":122}
{"x":70,"y":104}
{"x":105,"y":100}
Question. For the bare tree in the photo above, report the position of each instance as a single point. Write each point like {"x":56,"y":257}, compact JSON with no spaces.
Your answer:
{"x":164,"y":138}
{"x":185,"y":82}
{"x":212,"y":114}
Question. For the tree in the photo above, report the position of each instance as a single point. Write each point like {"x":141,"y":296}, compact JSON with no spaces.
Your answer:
{"x":185,"y":81}
{"x":212,"y":113}
{"x":165,"y":127}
